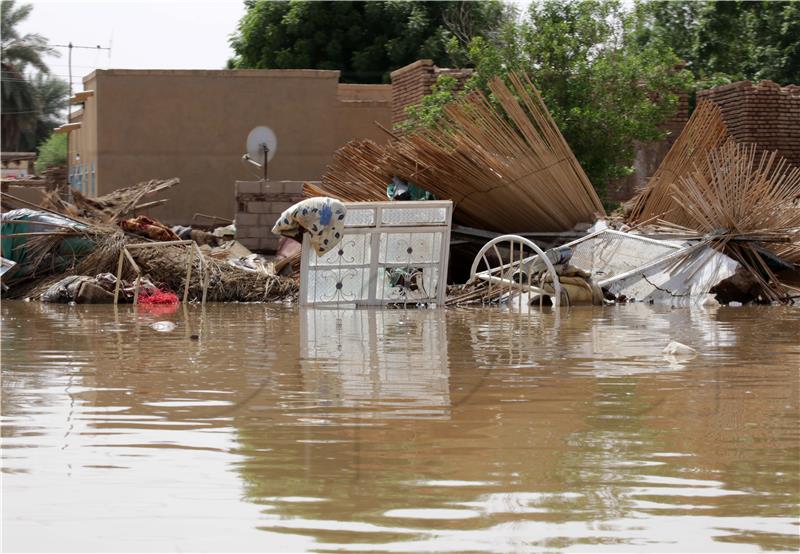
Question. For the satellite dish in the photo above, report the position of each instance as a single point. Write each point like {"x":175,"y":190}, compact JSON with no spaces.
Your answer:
{"x":260,"y":142}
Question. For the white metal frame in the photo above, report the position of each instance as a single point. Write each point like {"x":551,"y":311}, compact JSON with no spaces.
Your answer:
{"x":369,"y":223}
{"x":497,"y":274}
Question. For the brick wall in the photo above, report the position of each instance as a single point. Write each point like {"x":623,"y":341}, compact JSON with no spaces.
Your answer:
{"x":259,"y":204}
{"x":762,"y":113}
{"x":412,"y":82}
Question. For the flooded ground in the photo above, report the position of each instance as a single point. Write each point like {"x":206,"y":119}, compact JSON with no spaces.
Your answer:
{"x":264,"y":428}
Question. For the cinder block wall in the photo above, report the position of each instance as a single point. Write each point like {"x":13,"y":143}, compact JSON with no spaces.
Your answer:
{"x":412,"y":82}
{"x":259,"y":204}
{"x":763,"y":113}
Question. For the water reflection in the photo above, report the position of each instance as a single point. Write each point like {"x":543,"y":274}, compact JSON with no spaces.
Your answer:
{"x":270,"y":428}
{"x":389,"y":357}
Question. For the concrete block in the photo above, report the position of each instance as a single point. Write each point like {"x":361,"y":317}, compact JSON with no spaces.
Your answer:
{"x":259,"y":207}
{"x":272,"y":187}
{"x":293,"y":187}
{"x":248,"y":187}
{"x":246,"y":231}
{"x":268,"y":220}
{"x":243,"y":219}
{"x":278,"y":207}
{"x":262,"y":232}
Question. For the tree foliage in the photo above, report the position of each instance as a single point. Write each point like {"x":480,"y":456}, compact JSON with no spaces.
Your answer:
{"x":31,"y":106}
{"x":604,"y":90}
{"x":364,"y":40}
{"x":727,"y":41}
{"x":52,"y":152}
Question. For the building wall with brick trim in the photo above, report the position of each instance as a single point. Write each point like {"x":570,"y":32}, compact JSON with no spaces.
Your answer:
{"x":412,"y":82}
{"x":763,"y":113}
{"x":192,"y":124}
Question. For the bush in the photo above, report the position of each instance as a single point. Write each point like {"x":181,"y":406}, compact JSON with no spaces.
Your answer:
{"x":52,"y":152}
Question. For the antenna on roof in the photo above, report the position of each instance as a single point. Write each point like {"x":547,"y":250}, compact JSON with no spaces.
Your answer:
{"x":70,"y":46}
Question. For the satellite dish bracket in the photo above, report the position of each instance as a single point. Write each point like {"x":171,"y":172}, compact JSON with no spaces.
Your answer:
{"x":261,"y":145}
{"x":266,"y":160}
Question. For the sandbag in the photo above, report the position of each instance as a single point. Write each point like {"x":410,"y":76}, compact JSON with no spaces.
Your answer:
{"x":576,"y":284}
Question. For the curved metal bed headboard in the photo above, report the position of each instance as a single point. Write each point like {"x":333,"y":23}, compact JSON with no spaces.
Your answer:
{"x":513,"y":241}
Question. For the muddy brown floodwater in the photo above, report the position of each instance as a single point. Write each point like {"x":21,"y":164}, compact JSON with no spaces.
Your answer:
{"x":280,"y":429}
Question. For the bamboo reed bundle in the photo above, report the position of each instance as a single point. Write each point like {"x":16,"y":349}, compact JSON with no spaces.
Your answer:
{"x":507,"y":168}
{"x":747,"y":205}
{"x":704,"y":131}
{"x":363,"y":188}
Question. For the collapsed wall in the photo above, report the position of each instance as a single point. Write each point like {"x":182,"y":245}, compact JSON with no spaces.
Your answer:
{"x":649,"y":155}
{"x":764,"y":113}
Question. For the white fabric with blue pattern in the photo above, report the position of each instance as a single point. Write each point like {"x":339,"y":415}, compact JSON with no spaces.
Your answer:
{"x":321,"y":217}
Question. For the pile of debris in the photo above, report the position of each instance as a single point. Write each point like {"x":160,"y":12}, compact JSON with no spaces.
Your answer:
{"x":715,"y":219}
{"x":714,"y":191}
{"x":45,"y":246}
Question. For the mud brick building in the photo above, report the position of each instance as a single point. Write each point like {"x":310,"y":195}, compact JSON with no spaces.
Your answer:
{"x":135,"y":125}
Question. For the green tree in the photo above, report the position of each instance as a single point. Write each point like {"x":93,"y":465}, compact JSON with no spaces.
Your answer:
{"x":604,"y":90}
{"x":52,"y":152}
{"x":365,"y":40}
{"x":28,"y":106}
{"x":727,"y":41}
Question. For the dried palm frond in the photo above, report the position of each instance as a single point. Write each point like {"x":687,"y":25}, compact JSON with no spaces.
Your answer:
{"x":109,"y":207}
{"x":167,"y":267}
{"x":227,"y":283}
{"x":357,"y":174}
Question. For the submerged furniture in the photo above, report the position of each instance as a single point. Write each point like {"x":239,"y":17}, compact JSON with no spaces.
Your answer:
{"x":507,"y":270}
{"x":625,"y":264}
{"x":391,"y":253}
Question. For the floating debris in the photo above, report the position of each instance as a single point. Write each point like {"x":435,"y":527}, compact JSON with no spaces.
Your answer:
{"x":163,"y":326}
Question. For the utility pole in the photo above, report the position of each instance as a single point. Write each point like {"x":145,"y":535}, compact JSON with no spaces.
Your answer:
{"x":69,"y":48}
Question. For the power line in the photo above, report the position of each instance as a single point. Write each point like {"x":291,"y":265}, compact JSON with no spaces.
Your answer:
{"x":70,"y":47}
